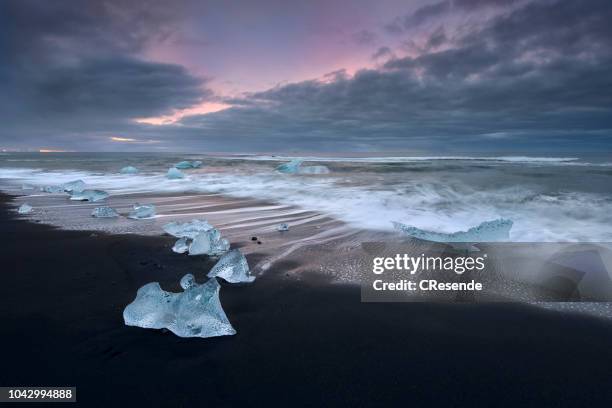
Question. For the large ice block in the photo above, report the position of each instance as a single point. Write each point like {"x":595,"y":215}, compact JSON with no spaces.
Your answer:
{"x":209,"y":243}
{"x":27,"y":187}
{"x":313,"y":170}
{"x":188,"y":164}
{"x":195,"y":312}
{"x":52,"y":189}
{"x":232,"y":267}
{"x":75,"y":186}
{"x":89,"y":195}
{"x":24,"y":208}
{"x":187,"y":229}
{"x":174,"y":174}
{"x":104,"y":212}
{"x":488,"y":231}
{"x":129,"y":170}
{"x":290,"y":168}
{"x":283,"y":227}
{"x":181,"y":246}
{"x":142,"y":211}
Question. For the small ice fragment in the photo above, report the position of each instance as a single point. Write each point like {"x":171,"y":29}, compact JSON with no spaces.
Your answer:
{"x":75,"y":186}
{"x":174,"y":174}
{"x":313,"y":170}
{"x":232,"y":267}
{"x":25,"y":208}
{"x":104,"y":212}
{"x":89,"y":195}
{"x":290,"y":168}
{"x":187,"y":229}
{"x":141,"y":211}
{"x":181,"y":246}
{"x":27,"y":187}
{"x":52,"y":189}
{"x":283,"y":227}
{"x":188,"y":164}
{"x":129,"y":170}
{"x":488,"y":231}
{"x":195,"y":312}
{"x":209,"y":243}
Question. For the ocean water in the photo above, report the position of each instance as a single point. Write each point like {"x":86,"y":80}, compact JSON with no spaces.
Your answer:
{"x":549,"y":199}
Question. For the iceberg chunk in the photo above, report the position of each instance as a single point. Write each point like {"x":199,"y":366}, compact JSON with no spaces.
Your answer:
{"x":290,"y":168}
{"x":175,"y":174}
{"x":488,"y":231}
{"x":129,"y":170}
{"x":52,"y":189}
{"x":195,"y":312}
{"x":188,"y":164}
{"x":89,"y":195}
{"x":75,"y":186}
{"x":104,"y":212}
{"x":209,"y":243}
{"x":313,"y":170}
{"x":283,"y":227}
{"x":25,"y":208}
{"x":141,"y":211}
{"x":232,"y":267}
{"x":181,"y":246}
{"x":27,"y":187}
{"x":187,"y":229}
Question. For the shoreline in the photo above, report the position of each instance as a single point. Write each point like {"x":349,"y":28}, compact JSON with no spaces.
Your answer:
{"x":299,"y":342}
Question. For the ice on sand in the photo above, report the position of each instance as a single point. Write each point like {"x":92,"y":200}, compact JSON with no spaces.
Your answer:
{"x":25,"y":208}
{"x":129,"y":170}
{"x":283,"y":227}
{"x":175,"y":174}
{"x":188,"y":164}
{"x":488,"y":231}
{"x":89,"y":195}
{"x":181,"y":246}
{"x":104,"y":212}
{"x":141,"y":211}
{"x":195,"y":312}
{"x":313,"y":170}
{"x":75,"y":186}
{"x":187,"y":229}
{"x":209,"y":243}
{"x":233,"y":268}
{"x":290,"y":168}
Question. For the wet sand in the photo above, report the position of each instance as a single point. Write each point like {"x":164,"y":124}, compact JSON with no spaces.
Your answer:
{"x":300,"y":342}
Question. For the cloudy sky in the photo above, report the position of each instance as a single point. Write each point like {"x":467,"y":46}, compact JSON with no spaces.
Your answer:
{"x":320,"y":75}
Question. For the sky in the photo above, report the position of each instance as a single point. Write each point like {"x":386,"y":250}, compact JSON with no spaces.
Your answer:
{"x":312,"y":76}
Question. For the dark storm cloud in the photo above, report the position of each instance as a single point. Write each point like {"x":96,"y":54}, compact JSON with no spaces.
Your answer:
{"x":535,"y":76}
{"x":74,"y":65}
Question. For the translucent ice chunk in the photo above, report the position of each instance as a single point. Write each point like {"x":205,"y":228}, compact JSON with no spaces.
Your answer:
{"x":174,"y":174}
{"x":75,"y":186}
{"x":488,"y":231}
{"x":232,"y":267}
{"x":104,"y":212}
{"x":291,"y":167}
{"x":52,"y":189}
{"x":141,"y":211}
{"x":27,"y":187}
{"x":195,"y":312}
{"x":25,"y":208}
{"x":181,"y":246}
{"x":188,"y":164}
{"x":283,"y":227}
{"x":129,"y":170}
{"x":209,"y":243}
{"x":313,"y":170}
{"x":89,"y":195}
{"x":187,"y":229}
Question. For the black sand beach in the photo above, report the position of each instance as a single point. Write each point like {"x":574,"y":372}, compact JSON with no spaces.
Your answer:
{"x":300,"y":342}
